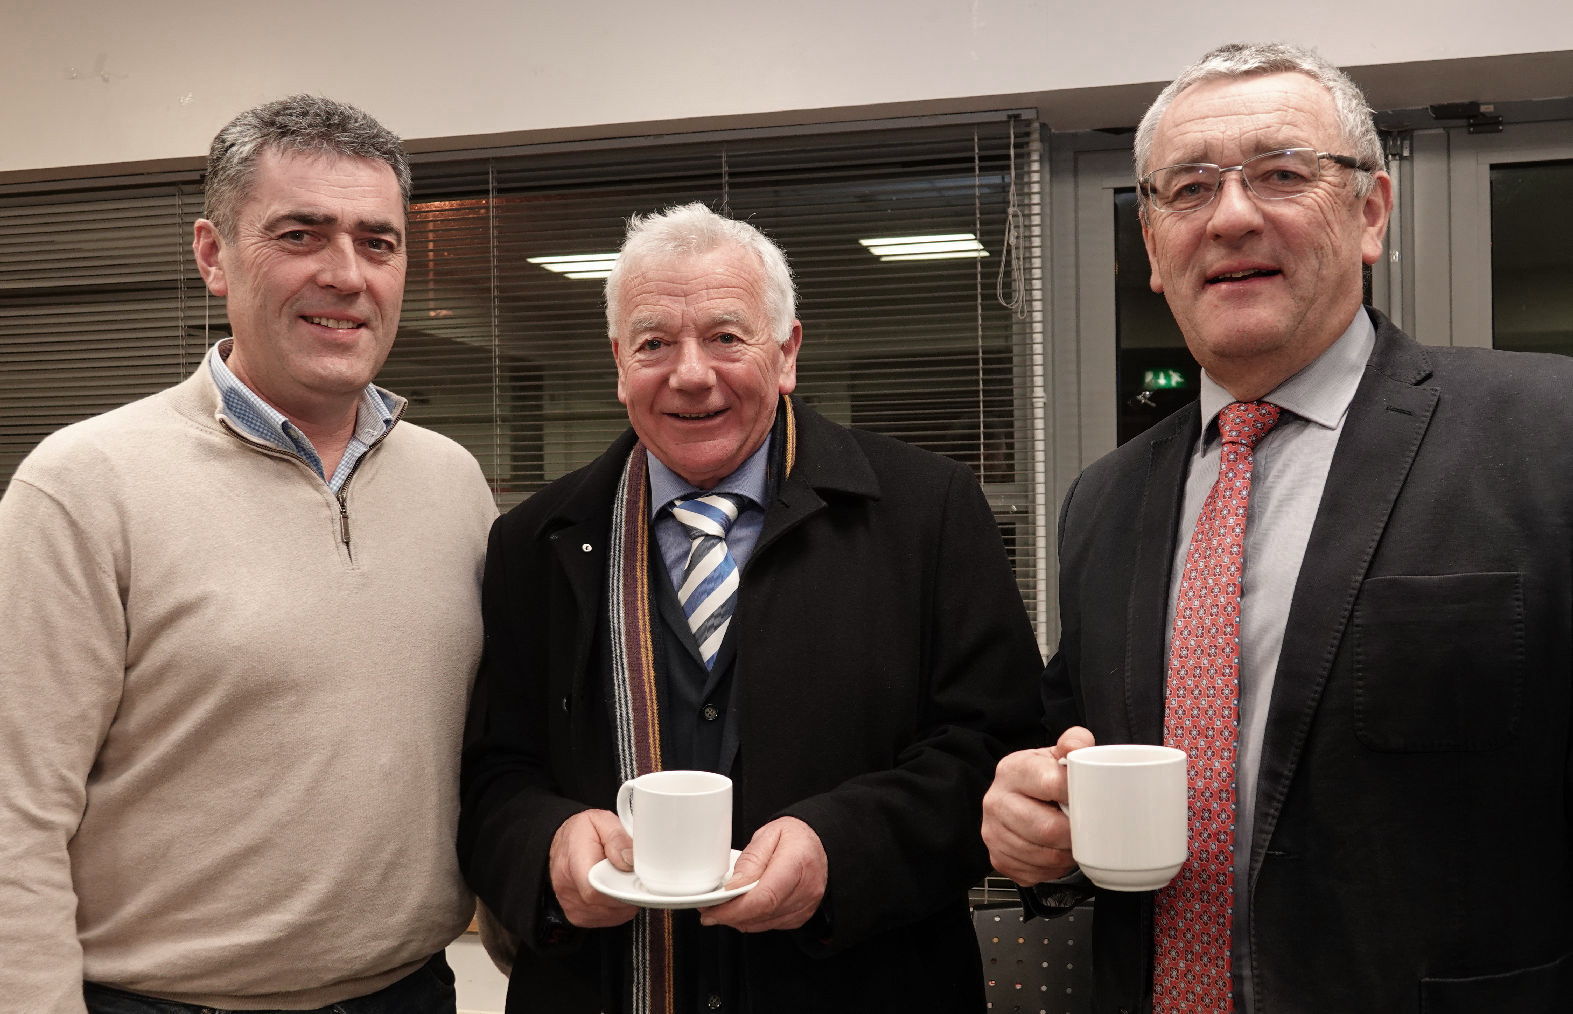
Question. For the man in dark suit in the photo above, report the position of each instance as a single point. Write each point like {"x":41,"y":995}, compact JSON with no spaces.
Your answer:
{"x":877,"y":663}
{"x":1395,"y":683}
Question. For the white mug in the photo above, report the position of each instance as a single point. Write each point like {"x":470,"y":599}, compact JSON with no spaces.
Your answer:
{"x":681,"y":823}
{"x":1128,"y":810}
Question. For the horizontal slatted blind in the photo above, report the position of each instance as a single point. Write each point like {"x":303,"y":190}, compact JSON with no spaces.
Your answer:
{"x":96,"y":287}
{"x":100,"y":302}
{"x":921,"y":350}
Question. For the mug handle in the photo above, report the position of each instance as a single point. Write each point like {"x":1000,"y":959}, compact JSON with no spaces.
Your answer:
{"x":625,"y":809}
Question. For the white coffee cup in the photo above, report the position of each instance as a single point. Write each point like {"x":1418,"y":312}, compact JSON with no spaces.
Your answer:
{"x":681,"y":823}
{"x":1128,"y":812}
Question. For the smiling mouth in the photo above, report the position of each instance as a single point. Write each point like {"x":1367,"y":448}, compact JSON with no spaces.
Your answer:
{"x":333,"y":322}
{"x":1240,"y":276}
{"x":695,"y":416}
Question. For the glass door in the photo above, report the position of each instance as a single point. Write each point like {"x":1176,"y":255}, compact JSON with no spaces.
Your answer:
{"x":1509,"y":208}
{"x":1531,"y":257}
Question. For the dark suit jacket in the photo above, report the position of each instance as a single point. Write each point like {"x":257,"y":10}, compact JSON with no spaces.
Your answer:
{"x":1412,"y":839}
{"x":884,"y":662}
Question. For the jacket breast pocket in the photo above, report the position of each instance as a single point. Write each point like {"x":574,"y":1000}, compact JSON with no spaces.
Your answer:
{"x":1541,"y":988}
{"x":1438,"y":661}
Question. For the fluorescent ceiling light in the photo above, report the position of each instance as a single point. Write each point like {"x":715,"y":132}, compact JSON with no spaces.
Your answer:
{"x":593,"y":265}
{"x":926,"y":248}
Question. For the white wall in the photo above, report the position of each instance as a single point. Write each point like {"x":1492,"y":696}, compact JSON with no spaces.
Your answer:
{"x":92,"y":82}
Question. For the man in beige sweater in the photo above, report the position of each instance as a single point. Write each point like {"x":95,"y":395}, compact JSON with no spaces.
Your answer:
{"x":240,"y":620}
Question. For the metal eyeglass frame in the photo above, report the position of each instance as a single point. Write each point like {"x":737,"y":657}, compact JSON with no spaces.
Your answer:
{"x":1145,"y":182}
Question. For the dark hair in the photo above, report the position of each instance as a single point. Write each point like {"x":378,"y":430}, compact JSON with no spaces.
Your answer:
{"x":301,"y":124}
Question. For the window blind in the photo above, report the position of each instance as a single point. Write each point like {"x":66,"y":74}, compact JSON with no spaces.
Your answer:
{"x":100,"y":301}
{"x":97,"y":293}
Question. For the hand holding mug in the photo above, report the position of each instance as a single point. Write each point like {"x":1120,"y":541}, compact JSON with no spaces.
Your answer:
{"x":583,"y":840}
{"x":1024,"y":824}
{"x":786,"y":862}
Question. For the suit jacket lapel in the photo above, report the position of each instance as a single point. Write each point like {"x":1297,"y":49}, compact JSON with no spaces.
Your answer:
{"x":1386,"y":423}
{"x":1147,"y":609}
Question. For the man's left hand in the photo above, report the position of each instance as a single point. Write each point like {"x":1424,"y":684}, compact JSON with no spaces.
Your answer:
{"x":788,"y":860}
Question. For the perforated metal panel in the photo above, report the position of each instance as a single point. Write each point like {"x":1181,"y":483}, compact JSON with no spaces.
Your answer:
{"x":1039,"y":967}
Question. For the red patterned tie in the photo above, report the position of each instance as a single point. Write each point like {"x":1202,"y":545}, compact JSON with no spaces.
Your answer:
{"x":1194,"y":914}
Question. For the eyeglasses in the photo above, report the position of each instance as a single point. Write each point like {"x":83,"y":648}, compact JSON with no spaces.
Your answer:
{"x":1271,"y":176}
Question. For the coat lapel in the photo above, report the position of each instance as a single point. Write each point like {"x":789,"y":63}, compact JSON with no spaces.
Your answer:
{"x":581,"y":550}
{"x":828,"y":460}
{"x":578,"y":532}
{"x":1147,"y":609}
{"x":1386,"y":423}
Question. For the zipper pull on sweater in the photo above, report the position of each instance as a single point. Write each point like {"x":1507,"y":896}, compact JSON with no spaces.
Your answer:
{"x":344,"y":523}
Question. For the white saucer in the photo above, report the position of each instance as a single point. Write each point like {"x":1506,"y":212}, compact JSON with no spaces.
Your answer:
{"x":609,"y":880}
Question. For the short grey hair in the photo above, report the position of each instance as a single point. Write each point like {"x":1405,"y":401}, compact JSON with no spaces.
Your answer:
{"x":299,"y":124}
{"x":689,"y":230}
{"x":1239,"y":59}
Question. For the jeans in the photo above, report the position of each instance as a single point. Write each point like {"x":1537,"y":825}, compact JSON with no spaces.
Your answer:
{"x":427,"y":990}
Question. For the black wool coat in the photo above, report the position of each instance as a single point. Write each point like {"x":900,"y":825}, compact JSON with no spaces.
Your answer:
{"x":884,"y":662}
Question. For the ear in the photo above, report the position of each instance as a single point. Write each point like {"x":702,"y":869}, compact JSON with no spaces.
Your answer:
{"x":787,"y":381}
{"x":1154,"y":280}
{"x":207,"y":246}
{"x":1375,"y":210}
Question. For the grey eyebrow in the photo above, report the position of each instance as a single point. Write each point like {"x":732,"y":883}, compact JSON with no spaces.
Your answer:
{"x":727,"y":318}
{"x":648,"y":322}
{"x":660,"y":322}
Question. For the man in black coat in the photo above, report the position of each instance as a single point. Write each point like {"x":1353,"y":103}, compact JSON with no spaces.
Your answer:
{"x":1402,"y":839}
{"x":878,"y":663}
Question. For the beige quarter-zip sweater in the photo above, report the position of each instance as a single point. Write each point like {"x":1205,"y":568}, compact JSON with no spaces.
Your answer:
{"x":229,"y":736}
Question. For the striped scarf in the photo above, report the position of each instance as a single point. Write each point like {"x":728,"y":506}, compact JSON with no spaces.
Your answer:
{"x":652,"y":981}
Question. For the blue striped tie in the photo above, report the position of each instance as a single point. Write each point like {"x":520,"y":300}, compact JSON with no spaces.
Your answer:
{"x":709,"y":589}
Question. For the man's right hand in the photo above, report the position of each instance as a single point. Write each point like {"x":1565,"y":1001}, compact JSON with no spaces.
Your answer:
{"x":583,"y":840}
{"x":1024,"y":825}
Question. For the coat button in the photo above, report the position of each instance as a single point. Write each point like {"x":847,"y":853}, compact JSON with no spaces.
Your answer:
{"x":714,"y":1003}
{"x":585,"y":548}
{"x":565,"y":704}
{"x":711,"y":712}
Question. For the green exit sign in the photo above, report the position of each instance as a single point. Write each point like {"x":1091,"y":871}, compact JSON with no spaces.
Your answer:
{"x":1162,"y":380}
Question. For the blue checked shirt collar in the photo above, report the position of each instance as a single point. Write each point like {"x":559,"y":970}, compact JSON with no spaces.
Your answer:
{"x":260,"y":421}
